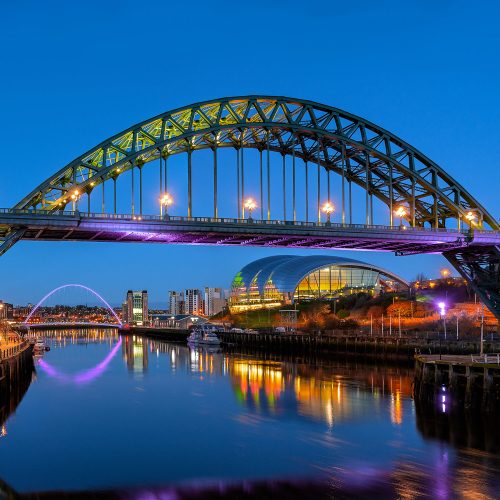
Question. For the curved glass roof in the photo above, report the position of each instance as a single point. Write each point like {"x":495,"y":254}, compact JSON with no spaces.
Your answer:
{"x":286,"y":271}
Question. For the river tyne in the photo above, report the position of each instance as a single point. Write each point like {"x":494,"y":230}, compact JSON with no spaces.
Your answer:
{"x":130,"y":413}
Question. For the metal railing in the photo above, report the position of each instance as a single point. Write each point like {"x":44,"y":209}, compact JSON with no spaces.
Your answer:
{"x":9,"y":352}
{"x":238,"y":221}
{"x":491,"y":359}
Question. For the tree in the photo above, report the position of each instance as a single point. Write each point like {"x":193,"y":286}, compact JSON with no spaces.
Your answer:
{"x":408,"y":309}
{"x":343,"y":314}
{"x":375,"y":312}
{"x":421,"y":277}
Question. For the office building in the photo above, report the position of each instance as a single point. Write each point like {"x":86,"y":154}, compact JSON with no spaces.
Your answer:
{"x":214,"y":301}
{"x":6,"y":310}
{"x":136,"y":308}
{"x":193,"y":301}
{"x":175,"y":302}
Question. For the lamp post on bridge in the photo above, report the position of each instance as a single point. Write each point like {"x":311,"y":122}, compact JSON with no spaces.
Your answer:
{"x":165,"y":201}
{"x":250,"y":205}
{"x":75,"y":196}
{"x":328,"y":209}
{"x":400,"y":212}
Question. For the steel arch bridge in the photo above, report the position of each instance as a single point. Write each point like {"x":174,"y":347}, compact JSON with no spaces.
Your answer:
{"x":423,"y":209}
{"x":73,"y":285}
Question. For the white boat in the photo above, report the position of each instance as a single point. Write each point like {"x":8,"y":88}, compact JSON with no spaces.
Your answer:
{"x":39,"y":348}
{"x":203,"y":337}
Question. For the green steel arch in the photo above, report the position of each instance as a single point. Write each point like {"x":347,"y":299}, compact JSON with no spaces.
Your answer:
{"x":381,"y":163}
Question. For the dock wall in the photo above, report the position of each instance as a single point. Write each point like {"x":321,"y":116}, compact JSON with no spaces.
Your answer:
{"x":457,"y":383}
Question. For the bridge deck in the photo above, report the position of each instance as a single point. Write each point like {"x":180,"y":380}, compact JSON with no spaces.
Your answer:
{"x":80,"y":226}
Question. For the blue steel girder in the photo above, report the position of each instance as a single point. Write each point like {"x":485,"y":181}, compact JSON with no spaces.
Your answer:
{"x":337,"y":140}
{"x":481,"y":268}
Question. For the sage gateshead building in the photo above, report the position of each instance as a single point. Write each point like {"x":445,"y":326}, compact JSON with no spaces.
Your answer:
{"x":284,"y":279}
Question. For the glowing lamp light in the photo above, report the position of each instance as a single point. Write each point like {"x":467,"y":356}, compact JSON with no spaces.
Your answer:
{"x":442,"y":308}
{"x":470,"y":216}
{"x":166,"y":200}
{"x":250,"y":205}
{"x":445,"y":272}
{"x":328,"y":209}
{"x":400,"y":211}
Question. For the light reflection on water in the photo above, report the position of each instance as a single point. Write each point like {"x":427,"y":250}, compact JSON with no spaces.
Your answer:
{"x":161,"y":413}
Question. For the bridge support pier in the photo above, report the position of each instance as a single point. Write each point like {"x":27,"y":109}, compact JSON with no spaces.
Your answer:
{"x":480,"y":266}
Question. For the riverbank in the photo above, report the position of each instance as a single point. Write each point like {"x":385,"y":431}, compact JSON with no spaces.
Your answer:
{"x":16,"y":369}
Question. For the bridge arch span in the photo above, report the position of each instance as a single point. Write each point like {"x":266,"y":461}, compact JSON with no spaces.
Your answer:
{"x":72,"y":285}
{"x":362,"y":153}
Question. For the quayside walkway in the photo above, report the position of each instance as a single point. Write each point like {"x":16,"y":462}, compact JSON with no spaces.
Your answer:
{"x":11,"y":349}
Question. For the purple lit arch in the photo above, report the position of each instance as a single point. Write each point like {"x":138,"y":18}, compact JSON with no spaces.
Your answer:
{"x":84,"y":377}
{"x":75,"y":285}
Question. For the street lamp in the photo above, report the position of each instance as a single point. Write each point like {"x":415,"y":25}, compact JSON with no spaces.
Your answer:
{"x":442,"y":312}
{"x":165,"y":201}
{"x":250,"y":205}
{"x":445,"y":273}
{"x":328,"y":209}
{"x":471,"y":217}
{"x":400,"y":212}
{"x":75,"y":195}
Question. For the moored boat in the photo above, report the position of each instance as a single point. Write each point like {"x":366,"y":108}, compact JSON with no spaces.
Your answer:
{"x":39,"y":348}
{"x":203,"y":336}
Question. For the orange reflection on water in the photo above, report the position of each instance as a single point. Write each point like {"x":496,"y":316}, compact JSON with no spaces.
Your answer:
{"x":396,"y":408}
{"x":320,"y":399}
{"x":257,"y":379}
{"x":317,"y":392}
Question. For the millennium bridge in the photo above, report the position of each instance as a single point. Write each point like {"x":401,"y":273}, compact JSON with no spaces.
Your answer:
{"x":59,"y":323}
{"x":278,"y":172}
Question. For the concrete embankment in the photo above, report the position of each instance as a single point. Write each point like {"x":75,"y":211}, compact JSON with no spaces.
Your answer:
{"x":457,"y":383}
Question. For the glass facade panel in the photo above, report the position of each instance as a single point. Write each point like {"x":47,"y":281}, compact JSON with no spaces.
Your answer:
{"x":330,"y":282}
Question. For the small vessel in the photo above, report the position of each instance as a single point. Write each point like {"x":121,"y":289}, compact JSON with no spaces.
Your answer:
{"x":203,"y":336}
{"x":40,"y":347}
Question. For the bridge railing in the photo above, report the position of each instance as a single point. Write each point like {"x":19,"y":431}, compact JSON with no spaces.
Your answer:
{"x":226,"y":220}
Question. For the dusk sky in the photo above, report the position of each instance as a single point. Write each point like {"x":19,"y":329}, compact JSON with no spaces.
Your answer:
{"x":75,"y":73}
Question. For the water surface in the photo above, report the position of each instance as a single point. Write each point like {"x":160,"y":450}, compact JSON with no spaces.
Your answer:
{"x":105,"y":411}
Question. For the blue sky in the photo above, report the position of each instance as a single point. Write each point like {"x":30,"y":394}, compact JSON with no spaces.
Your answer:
{"x":75,"y":73}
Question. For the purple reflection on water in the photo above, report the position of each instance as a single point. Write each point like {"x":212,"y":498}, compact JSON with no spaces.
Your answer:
{"x":83,"y":377}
